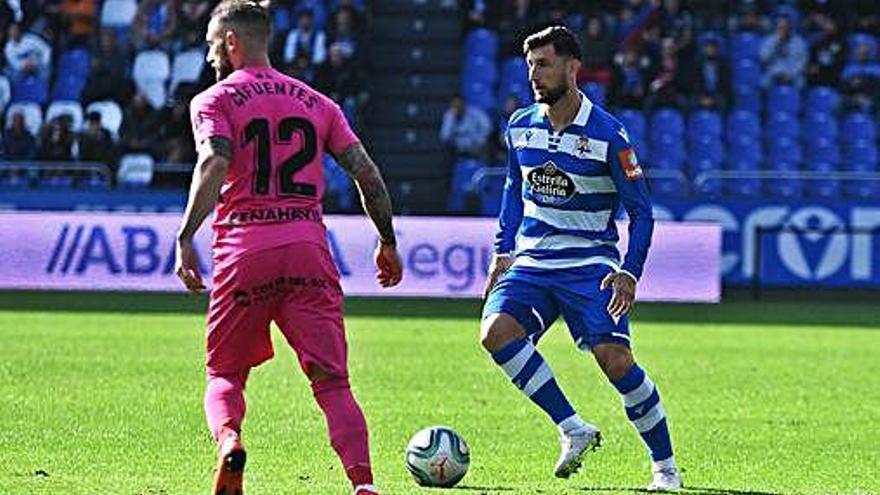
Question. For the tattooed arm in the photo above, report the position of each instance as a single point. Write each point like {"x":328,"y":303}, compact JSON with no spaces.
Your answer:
{"x":374,"y":196}
{"x":377,"y":204}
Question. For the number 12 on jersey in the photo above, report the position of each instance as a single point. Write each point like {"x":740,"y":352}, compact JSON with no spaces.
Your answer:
{"x":258,"y":130}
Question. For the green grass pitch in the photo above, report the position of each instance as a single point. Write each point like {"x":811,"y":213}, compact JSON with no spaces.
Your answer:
{"x":771,"y":398}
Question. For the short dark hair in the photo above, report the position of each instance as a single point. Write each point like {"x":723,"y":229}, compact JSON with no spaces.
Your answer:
{"x":249,"y":15}
{"x":563,"y":40}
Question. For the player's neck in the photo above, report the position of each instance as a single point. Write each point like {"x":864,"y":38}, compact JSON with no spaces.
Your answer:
{"x":562,"y":113}
{"x":256,"y":61}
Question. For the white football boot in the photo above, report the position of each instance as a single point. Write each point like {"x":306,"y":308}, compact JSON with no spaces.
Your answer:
{"x":574,"y":446}
{"x":666,"y":480}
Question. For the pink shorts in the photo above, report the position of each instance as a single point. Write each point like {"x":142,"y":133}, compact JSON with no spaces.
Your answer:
{"x":297,"y":287}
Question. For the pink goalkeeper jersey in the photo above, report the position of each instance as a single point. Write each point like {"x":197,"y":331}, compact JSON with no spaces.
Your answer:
{"x":279,"y":129}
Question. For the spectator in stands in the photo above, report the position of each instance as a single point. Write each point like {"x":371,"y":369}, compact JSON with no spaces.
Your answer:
{"x":306,"y":40}
{"x":481,"y":13}
{"x":20,"y":143}
{"x":140,"y":123}
{"x":710,"y":86}
{"x":826,"y":55}
{"x":465,"y":128}
{"x":599,"y":50}
{"x":784,"y":55}
{"x":343,"y":34}
{"x":108,"y":78}
{"x":78,"y":20}
{"x":192,"y":20}
{"x":860,"y":79}
{"x":340,"y":80}
{"x":154,"y":24}
{"x":56,"y":140}
{"x":27,"y":55}
{"x":518,"y":20}
{"x":748,"y":19}
{"x":666,"y":85}
{"x":302,"y":69}
{"x":630,"y":79}
{"x":95,"y":142}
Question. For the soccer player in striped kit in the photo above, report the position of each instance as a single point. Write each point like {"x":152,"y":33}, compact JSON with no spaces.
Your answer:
{"x":571,"y":165}
{"x":261,"y":136}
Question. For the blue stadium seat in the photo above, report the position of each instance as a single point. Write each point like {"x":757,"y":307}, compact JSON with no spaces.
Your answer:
{"x":745,"y":148}
{"x":746,"y":72}
{"x":338,"y":183}
{"x":665,"y":187}
{"x":819,"y":125}
{"x":672,"y":149}
{"x":745,"y":45}
{"x":515,"y":69}
{"x":75,"y":61}
{"x":858,"y":126}
{"x":595,"y":92}
{"x":479,"y":69}
{"x":698,"y":166}
{"x":634,"y":122}
{"x":743,"y":188}
{"x":822,"y":99}
{"x":789,"y":188}
{"x":68,"y":87}
{"x":480,"y":95}
{"x":704,"y":122}
{"x":860,"y":156}
{"x":782,"y":151}
{"x":462,"y":183}
{"x":742,"y":122}
{"x":783,"y":99}
{"x":666,"y":122}
{"x":747,"y":98}
{"x":706,"y":147}
{"x":866,"y":189}
{"x":820,"y":151}
{"x":522,"y":94}
{"x":781,"y":124}
{"x":825,"y":188}
{"x":31,"y":88}
{"x":482,"y":42}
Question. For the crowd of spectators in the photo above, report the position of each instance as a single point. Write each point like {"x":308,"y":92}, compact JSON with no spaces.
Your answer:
{"x":319,"y":41}
{"x":649,"y":54}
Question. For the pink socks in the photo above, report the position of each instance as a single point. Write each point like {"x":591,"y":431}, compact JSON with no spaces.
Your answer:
{"x":224,"y":402}
{"x":347,"y":427}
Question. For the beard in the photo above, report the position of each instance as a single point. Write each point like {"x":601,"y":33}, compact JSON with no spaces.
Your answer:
{"x":551,"y":96}
{"x":223,"y":68}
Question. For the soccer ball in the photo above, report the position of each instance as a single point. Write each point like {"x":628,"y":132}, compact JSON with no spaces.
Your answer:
{"x":437,"y":456}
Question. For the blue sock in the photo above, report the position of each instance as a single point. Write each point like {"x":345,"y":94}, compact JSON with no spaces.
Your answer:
{"x":531,"y":374}
{"x":643,"y":408}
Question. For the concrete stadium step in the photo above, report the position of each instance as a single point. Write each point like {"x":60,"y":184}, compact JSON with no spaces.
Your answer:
{"x":427,"y":57}
{"x":419,"y":27}
{"x":417,"y":84}
{"x":407,"y":111}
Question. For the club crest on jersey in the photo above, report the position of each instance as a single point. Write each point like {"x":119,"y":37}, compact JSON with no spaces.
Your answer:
{"x":549,"y":185}
{"x":630,"y":164}
{"x":582,"y":147}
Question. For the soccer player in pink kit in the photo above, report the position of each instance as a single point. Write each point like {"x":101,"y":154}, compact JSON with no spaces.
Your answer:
{"x":260,"y":137}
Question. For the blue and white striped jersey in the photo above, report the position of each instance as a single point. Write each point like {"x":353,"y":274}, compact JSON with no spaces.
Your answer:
{"x":564,"y":188}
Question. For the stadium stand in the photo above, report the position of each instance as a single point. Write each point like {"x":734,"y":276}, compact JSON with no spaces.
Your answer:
{"x":406,"y":60}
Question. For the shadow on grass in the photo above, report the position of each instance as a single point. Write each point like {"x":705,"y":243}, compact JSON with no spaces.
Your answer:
{"x":689,"y":490}
{"x":735,"y":310}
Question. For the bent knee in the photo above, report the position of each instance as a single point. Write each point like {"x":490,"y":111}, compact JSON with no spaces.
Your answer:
{"x":498,"y":330}
{"x":615,"y":360}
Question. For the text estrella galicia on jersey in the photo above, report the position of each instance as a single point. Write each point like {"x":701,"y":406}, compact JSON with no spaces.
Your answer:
{"x":550,"y":185}
{"x":630,"y":164}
